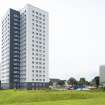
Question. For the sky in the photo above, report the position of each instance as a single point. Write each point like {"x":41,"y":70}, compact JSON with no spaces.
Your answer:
{"x":76,"y":35}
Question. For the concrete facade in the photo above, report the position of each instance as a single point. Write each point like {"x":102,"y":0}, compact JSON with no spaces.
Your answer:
{"x":102,"y":75}
{"x":27,"y":57}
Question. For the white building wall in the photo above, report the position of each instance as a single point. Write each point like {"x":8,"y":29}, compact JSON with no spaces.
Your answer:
{"x":36,"y":45}
{"x":5,"y":48}
{"x":29,"y":44}
{"x":102,"y":74}
{"x":23,"y":42}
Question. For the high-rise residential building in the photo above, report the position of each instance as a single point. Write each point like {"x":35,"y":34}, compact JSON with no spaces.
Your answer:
{"x":102,"y":75}
{"x":25,"y":48}
{"x":10,"y":66}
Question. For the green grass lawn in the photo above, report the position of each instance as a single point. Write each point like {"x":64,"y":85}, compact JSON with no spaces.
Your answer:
{"x":32,"y":97}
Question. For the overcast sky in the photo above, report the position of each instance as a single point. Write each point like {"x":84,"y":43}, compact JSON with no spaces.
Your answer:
{"x":76,"y":35}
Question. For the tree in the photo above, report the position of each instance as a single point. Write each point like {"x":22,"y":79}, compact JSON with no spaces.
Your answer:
{"x":96,"y":82}
{"x":50,"y":83}
{"x":61,"y":82}
{"x":72,"y":81}
{"x":82,"y":81}
{"x":55,"y":82}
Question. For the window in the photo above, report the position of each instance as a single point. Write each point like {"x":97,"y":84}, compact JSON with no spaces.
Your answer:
{"x":40,"y":18}
{"x":43,"y":15}
{"x":40,"y":80}
{"x":40,"y":63}
{"x":40,"y":71}
{"x":40,"y":22}
{"x":43,"y":19}
{"x":36,"y":17}
{"x":43,"y":23}
{"x":36,"y":29}
{"x":36,"y":21}
{"x":36,"y":58}
{"x":36,"y":33}
{"x":40,"y":34}
{"x":33,"y":62}
{"x":40,"y":30}
{"x":36,"y":25}
{"x":37,"y":54}
{"x":40,"y":67}
{"x":40,"y":38}
{"x":36,"y":45}
{"x":36,"y":62}
{"x":15,"y":15}
{"x":40,"y":14}
{"x":37,"y":50}
{"x":37,"y":13}
{"x":40,"y":26}
{"x":43,"y":59}
{"x":33,"y":11}
{"x":43,"y":31}
{"x":37,"y":71}
{"x":36,"y":41}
